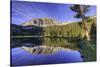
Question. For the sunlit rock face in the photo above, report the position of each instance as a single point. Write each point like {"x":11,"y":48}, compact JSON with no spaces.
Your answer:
{"x":40,"y":22}
{"x":43,"y":49}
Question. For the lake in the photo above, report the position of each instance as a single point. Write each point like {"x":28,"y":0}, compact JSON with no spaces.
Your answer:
{"x":20,"y":57}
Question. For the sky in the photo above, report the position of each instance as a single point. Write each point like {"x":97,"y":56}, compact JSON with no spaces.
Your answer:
{"x":22,"y":11}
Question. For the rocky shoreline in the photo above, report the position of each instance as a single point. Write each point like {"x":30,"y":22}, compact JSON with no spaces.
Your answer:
{"x":43,"y":49}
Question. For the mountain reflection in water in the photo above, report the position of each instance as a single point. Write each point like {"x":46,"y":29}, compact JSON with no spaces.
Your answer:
{"x":21,"y":57}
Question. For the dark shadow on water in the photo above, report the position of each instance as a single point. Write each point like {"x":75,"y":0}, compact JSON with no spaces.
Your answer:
{"x":64,"y":42}
{"x":29,"y":42}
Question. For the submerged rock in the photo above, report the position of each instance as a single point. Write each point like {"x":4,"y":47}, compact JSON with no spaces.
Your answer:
{"x":43,"y":49}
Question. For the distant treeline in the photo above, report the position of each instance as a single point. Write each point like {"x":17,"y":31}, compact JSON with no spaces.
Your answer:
{"x":70,"y":30}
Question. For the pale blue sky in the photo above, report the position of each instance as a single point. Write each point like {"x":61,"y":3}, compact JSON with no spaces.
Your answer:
{"x":22,"y":11}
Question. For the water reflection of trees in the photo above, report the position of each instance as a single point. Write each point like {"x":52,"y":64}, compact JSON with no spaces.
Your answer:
{"x":48,"y":41}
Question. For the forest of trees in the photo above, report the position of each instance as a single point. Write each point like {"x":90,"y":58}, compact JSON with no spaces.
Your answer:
{"x":69,"y":30}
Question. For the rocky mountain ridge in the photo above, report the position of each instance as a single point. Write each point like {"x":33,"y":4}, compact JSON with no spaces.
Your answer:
{"x":42,"y":22}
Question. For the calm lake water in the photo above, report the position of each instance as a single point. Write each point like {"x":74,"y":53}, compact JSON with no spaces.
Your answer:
{"x":70,"y":43}
{"x":21,"y":57}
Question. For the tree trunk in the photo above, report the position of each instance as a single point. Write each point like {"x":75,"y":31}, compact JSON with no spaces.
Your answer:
{"x":86,"y":31}
{"x":85,"y":24}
